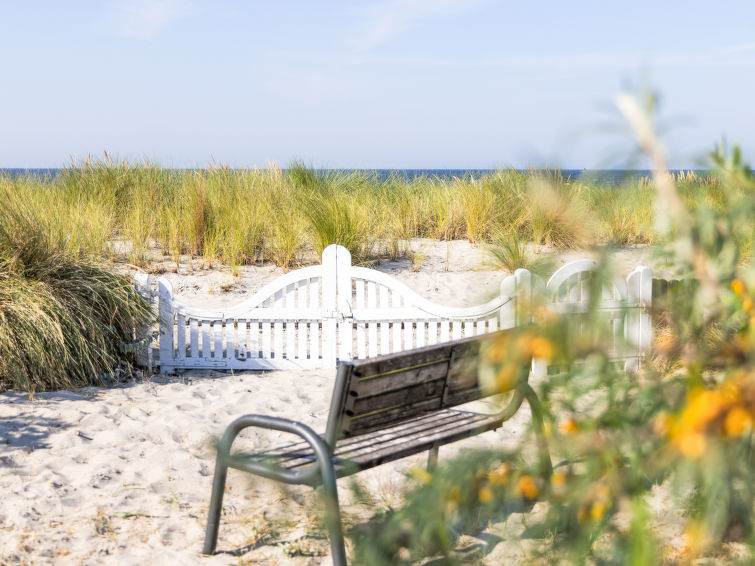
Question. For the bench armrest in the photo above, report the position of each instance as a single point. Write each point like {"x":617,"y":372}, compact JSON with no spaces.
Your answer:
{"x":309,"y":475}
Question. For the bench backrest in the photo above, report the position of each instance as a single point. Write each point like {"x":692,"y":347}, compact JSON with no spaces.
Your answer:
{"x":379,"y":392}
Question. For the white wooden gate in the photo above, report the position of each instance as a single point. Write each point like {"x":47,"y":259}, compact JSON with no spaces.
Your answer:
{"x":623,"y":306}
{"x":317,"y":315}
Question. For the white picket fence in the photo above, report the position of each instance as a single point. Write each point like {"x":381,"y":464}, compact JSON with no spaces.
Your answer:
{"x":317,"y":315}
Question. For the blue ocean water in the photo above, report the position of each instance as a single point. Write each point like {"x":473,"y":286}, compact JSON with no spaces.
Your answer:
{"x":603,"y":176}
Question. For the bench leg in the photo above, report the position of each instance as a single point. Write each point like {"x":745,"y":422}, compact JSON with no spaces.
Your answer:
{"x":332,"y":512}
{"x":432,"y":458}
{"x":216,"y":506}
{"x":546,"y":467}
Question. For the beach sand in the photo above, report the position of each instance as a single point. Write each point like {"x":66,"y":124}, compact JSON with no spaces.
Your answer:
{"x":122,"y":475}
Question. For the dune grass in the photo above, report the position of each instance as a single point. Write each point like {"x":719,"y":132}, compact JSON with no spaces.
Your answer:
{"x":65,"y":321}
{"x":124,"y":211}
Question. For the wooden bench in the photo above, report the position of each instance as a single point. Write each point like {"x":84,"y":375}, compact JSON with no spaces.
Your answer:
{"x":382,"y":409}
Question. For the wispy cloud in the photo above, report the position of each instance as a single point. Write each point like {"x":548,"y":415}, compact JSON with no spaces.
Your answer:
{"x":143,"y":19}
{"x":389,"y":18}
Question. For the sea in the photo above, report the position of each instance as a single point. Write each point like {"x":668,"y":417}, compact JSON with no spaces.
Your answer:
{"x":603,"y":176}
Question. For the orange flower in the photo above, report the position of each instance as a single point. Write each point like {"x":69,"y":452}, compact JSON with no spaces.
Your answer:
{"x":569,"y":426}
{"x":527,"y":488}
{"x":737,"y":422}
{"x":702,"y":408}
{"x":738,"y":287}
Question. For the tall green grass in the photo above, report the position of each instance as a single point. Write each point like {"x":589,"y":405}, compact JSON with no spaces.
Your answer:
{"x":65,"y":321}
{"x":131,"y":211}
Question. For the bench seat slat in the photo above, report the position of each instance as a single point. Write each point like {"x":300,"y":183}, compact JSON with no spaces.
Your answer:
{"x":288,"y":454}
{"x":385,"y":445}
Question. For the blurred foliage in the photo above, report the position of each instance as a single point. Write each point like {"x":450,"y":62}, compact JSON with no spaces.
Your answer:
{"x":681,"y":426}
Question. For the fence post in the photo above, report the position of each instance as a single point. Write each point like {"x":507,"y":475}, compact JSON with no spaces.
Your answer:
{"x":516,"y":294}
{"x":166,"y":322}
{"x":330,"y":305}
{"x":639,"y":326}
{"x":509,"y":298}
{"x":343,"y":286}
{"x":144,"y":288}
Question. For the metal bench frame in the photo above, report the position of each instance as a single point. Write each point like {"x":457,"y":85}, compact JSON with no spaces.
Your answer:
{"x":317,"y":457}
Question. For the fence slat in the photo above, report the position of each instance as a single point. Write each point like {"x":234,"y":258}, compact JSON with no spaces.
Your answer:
{"x":372,"y":344}
{"x":432,"y":332}
{"x":206,"y":346}
{"x":266,"y":339}
{"x":277,"y":352}
{"x":329,"y":304}
{"x":217,"y":331}
{"x":194,"y":337}
{"x":181,"y":337}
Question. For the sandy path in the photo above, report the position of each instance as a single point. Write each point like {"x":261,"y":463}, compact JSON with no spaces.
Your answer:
{"x":122,"y":475}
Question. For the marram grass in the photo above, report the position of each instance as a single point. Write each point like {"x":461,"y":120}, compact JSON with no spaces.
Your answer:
{"x":65,"y":321}
{"x":123,"y":211}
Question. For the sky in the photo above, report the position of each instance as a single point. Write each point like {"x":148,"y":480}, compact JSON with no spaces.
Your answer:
{"x":457,"y":84}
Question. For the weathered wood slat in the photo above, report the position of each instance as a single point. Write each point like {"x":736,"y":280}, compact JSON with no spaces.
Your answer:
{"x":367,"y":422}
{"x":405,"y":397}
{"x":406,"y":378}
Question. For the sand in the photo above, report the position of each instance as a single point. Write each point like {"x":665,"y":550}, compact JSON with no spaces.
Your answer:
{"x":122,"y":475}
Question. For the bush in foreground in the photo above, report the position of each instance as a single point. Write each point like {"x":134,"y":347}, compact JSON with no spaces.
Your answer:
{"x":652,"y":468}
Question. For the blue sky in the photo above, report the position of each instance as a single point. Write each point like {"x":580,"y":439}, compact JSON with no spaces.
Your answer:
{"x":374,"y":84}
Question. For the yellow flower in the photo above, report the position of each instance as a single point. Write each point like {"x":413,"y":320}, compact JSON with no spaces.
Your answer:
{"x":558,"y":479}
{"x":485,"y":495}
{"x":523,"y":344}
{"x":597,"y":510}
{"x":497,"y":352}
{"x":702,"y":408}
{"x":692,"y":445}
{"x":569,"y":426}
{"x":421,"y":475}
{"x":558,"y":484}
{"x":662,"y":423}
{"x":507,"y":377}
{"x":738,"y":287}
{"x":454,"y":494}
{"x":542,"y":348}
{"x":527,"y":488}
{"x":737,"y":422}
{"x":500,"y":476}
{"x":747,"y":305}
